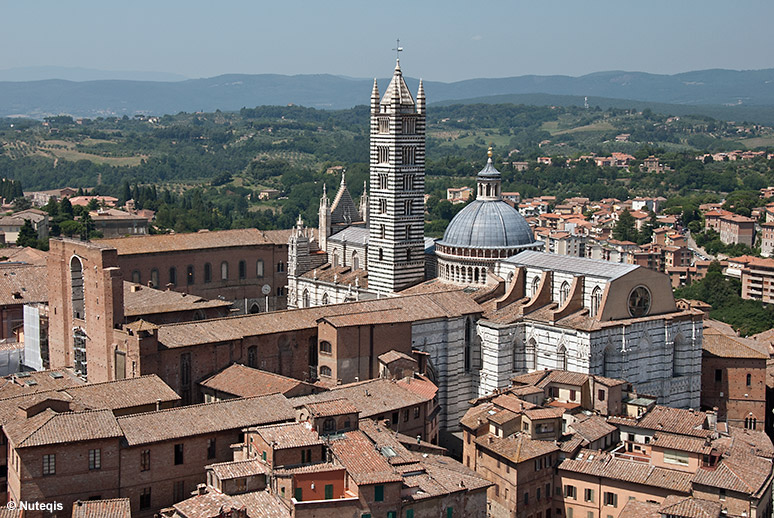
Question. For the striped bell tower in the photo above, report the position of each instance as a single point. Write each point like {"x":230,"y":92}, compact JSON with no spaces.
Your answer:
{"x":396,"y":258}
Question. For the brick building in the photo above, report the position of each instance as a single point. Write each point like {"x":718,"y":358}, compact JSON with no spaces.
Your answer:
{"x":233,"y":265}
{"x":733,"y":379}
{"x":292,"y":470}
{"x":737,"y":229}
{"x":152,"y":458}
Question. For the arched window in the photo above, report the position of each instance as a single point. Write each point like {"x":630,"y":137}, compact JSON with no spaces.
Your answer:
{"x":154,"y":278}
{"x":326,"y":347}
{"x":281,"y":266}
{"x":242,"y":269}
{"x":561,"y":362}
{"x":255,"y":309}
{"x":325,"y":299}
{"x":325,"y":371}
{"x":355,"y":261}
{"x":207,"y":272}
{"x":172,"y":275}
{"x":564,"y":292}
{"x":381,"y":254}
{"x":329,"y":425}
{"x":76,"y":280}
{"x":305,"y":299}
{"x":531,"y":354}
{"x":136,"y":277}
{"x":259,"y":268}
{"x":189,"y":274}
{"x":535,"y":285}
{"x":335,"y":257}
{"x":596,"y":300}
{"x":224,"y":271}
{"x":252,"y":356}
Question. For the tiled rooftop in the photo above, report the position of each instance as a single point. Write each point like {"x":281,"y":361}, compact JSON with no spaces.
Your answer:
{"x":240,"y":380}
{"x":288,"y":436}
{"x":48,"y":427}
{"x":239,"y":469}
{"x":516,"y":448}
{"x":23,"y":284}
{"x":111,"y":508}
{"x":164,"y":425}
{"x":151,"y":244}
{"x":142,"y":300}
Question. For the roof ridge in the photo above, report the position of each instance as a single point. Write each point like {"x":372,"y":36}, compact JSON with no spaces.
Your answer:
{"x":101,"y":383}
{"x":198,"y":405}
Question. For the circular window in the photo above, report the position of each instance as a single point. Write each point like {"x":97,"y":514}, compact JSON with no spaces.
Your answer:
{"x":639,"y":301}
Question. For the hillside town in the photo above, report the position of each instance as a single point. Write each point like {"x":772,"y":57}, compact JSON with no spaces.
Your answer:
{"x":534,"y":362}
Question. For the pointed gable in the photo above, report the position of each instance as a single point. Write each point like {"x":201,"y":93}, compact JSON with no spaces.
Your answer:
{"x":343,"y":209}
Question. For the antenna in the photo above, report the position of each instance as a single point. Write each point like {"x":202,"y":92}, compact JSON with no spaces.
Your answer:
{"x":398,"y":49}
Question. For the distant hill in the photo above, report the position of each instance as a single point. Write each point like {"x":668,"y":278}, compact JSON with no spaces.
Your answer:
{"x":83,"y":74}
{"x":763,"y":114}
{"x":707,"y":90}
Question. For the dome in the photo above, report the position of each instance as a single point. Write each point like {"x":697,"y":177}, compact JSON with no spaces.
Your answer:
{"x":488,"y":224}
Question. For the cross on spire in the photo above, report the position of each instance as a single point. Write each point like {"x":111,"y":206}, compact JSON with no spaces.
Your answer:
{"x":398,"y":49}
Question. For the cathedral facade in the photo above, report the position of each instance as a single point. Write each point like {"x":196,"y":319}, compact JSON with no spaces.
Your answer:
{"x":537,"y":310}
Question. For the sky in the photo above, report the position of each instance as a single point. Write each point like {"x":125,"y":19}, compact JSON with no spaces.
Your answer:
{"x":447,"y":40}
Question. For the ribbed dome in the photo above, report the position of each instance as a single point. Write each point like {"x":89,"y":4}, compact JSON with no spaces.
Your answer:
{"x":488,"y":224}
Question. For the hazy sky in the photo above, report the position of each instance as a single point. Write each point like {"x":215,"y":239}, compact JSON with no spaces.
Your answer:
{"x":443,"y":40}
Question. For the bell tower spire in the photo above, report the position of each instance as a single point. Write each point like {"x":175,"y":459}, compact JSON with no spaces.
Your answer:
{"x":397,"y":179}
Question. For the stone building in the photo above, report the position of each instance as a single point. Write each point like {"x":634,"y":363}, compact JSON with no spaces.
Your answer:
{"x":246,"y":266}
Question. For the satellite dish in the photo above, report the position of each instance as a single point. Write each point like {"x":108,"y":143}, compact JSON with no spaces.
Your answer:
{"x":266,"y":289}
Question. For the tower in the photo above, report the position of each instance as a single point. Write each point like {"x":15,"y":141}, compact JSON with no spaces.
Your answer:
{"x":397,"y":175}
{"x":324,"y":221}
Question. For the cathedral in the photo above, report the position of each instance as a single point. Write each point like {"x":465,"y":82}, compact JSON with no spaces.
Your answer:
{"x":537,"y":310}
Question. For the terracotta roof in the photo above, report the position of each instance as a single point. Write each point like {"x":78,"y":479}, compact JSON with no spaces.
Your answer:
{"x":544,"y":413}
{"x":512,"y":403}
{"x":39,"y":381}
{"x":160,"y":243}
{"x":436,"y":475}
{"x":289,"y":435}
{"x":239,"y":469}
{"x":408,"y":308}
{"x":258,"y":504}
{"x":419,"y":385}
{"x":689,"y":507}
{"x":564,"y":378}
{"x":240,"y":380}
{"x":682,"y":443}
{"x":164,"y":425}
{"x":26,"y":255}
{"x":48,"y":427}
{"x":343,"y":275}
{"x":477,"y":413}
{"x":718,"y":343}
{"x":604,"y":465}
{"x":112,"y":508}
{"x":393,"y":355}
{"x":592,"y":428}
{"x":746,"y":464}
{"x":635,"y":509}
{"x":364,"y":464}
{"x":370,"y":397}
{"x":383,"y":437}
{"x":331,"y":407}
{"x":126,"y":393}
{"x":675,"y":420}
{"x":23,"y":284}
{"x":142,"y":300}
{"x":516,"y":448}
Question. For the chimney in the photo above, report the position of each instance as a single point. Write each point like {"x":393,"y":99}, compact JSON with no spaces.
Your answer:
{"x":158,"y":404}
{"x":201,"y":489}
